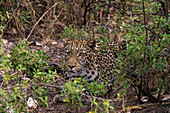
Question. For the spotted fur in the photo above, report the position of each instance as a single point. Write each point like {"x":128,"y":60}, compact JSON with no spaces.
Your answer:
{"x":87,"y":59}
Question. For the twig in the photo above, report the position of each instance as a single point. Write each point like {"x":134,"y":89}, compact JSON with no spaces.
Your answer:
{"x":58,"y":22}
{"x":11,"y":16}
{"x":18,"y":25}
{"x":49,"y":85}
{"x":33,"y":11}
{"x":11,"y":111}
{"x":166,"y":28}
{"x":40,"y":19}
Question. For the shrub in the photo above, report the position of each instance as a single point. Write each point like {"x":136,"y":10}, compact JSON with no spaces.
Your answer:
{"x":23,"y":77}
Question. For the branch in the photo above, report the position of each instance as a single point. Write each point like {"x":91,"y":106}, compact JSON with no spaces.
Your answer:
{"x":40,"y":19}
{"x":11,"y":111}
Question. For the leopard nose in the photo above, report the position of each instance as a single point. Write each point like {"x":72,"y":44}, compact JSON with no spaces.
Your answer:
{"x":71,"y":67}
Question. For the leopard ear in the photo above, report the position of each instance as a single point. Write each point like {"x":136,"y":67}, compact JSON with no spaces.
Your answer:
{"x":92,"y":44}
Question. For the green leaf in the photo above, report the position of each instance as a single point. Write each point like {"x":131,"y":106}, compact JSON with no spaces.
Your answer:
{"x":138,"y":48}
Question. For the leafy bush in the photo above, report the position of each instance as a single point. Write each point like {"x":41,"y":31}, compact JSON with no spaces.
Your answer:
{"x":23,"y":77}
{"x":24,"y":60}
{"x":81,"y":94}
{"x":73,"y":33}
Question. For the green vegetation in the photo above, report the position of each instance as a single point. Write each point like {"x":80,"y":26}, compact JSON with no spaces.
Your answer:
{"x":24,"y":81}
{"x":143,"y":25}
{"x":24,"y":60}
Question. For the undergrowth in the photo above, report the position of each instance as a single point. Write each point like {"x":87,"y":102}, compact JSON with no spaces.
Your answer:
{"x":22,"y":73}
{"x":143,"y":25}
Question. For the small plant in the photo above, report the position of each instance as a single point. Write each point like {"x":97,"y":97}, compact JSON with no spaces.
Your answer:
{"x":21,"y":77}
{"x":27,"y":61}
{"x":4,"y":19}
{"x":5,"y":65}
{"x":24,"y":19}
{"x":74,"y":33}
{"x":80,"y":92}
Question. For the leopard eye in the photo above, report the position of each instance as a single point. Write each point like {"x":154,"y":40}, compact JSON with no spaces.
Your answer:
{"x":80,"y":54}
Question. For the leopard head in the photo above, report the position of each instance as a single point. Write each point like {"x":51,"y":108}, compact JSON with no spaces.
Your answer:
{"x":79,"y":54}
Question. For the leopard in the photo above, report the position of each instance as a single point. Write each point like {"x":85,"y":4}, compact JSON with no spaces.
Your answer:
{"x":88,"y":60}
